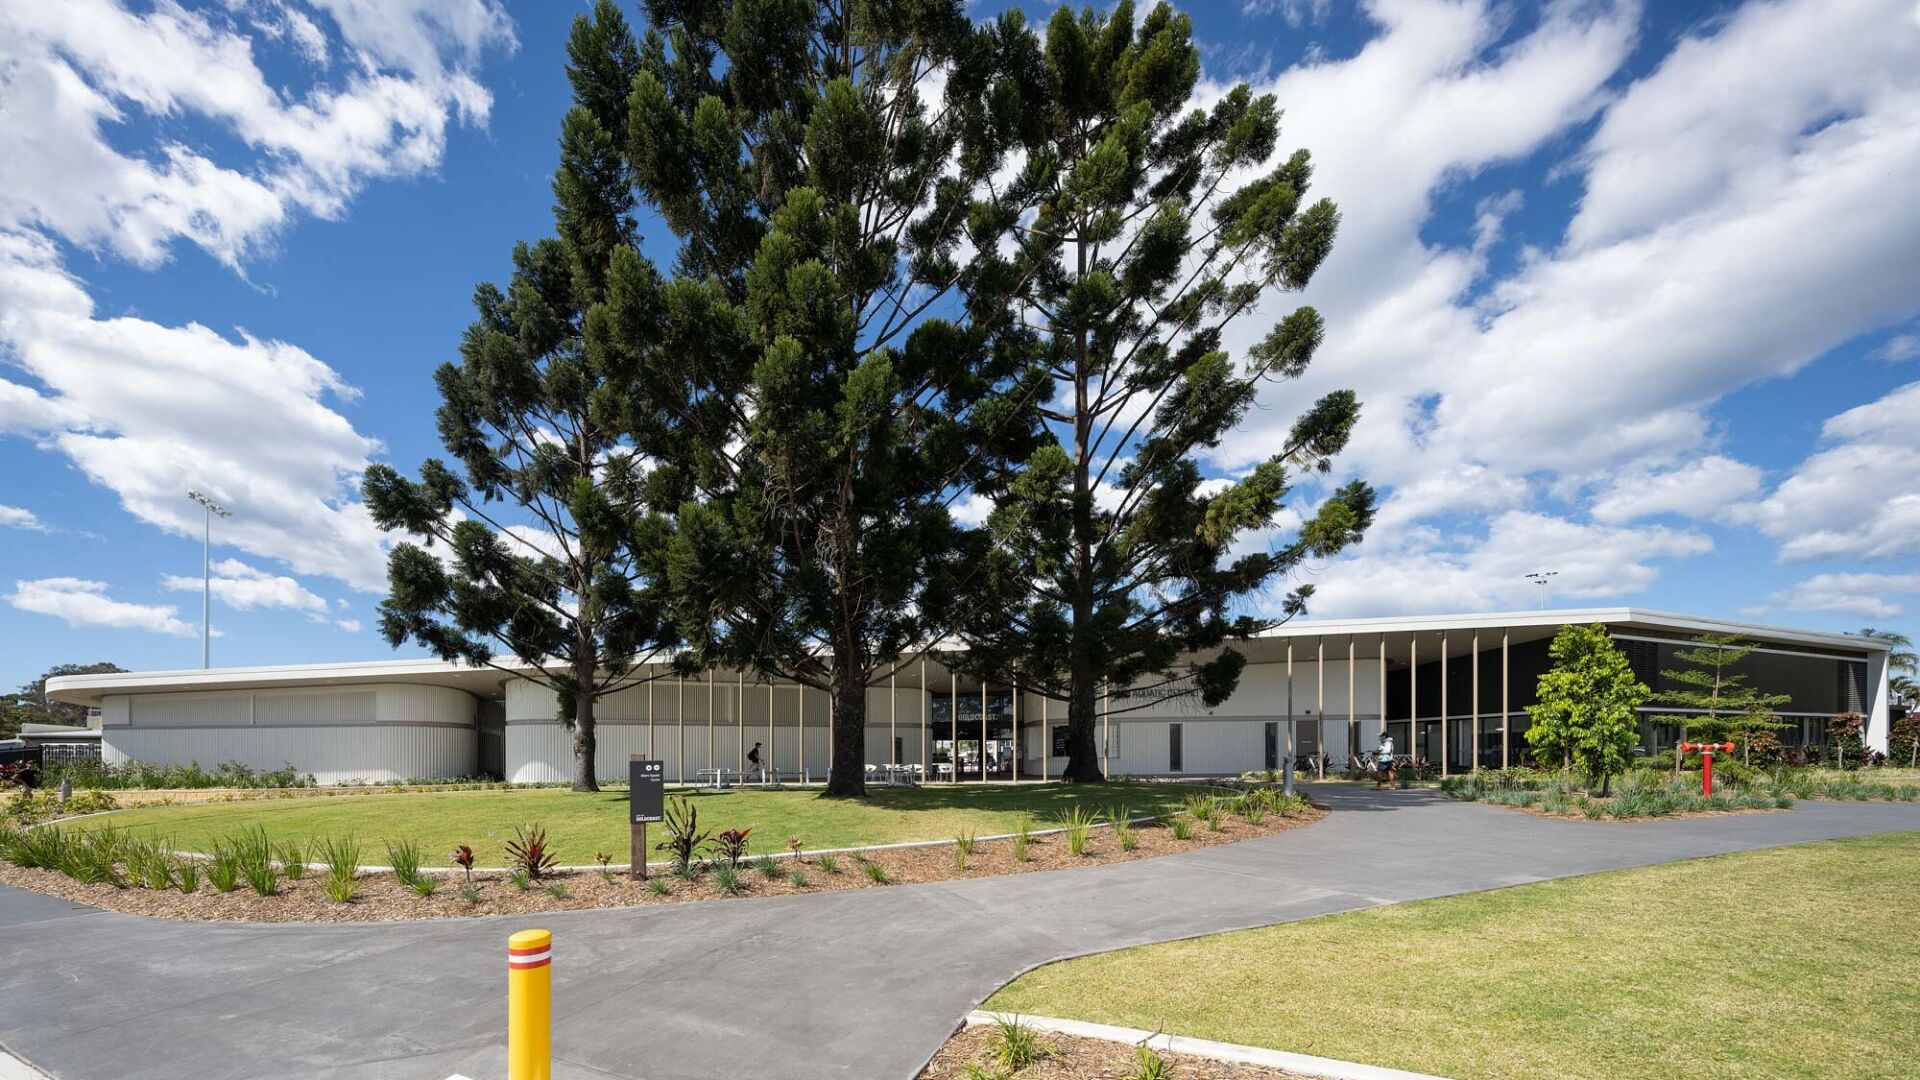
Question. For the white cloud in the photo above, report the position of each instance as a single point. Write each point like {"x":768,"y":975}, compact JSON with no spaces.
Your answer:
{"x":14,"y":517}
{"x":1856,"y":497}
{"x":95,"y":93}
{"x":351,"y":626}
{"x":245,"y":588}
{"x":1872,"y":596}
{"x":1704,"y":488}
{"x":1488,"y":573}
{"x":82,"y":603}
{"x":1784,"y":228}
{"x":1899,"y":347}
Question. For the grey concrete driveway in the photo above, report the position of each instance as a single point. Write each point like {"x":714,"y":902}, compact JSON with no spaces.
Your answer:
{"x":863,"y":984}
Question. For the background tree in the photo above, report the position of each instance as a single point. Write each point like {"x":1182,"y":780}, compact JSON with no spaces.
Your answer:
{"x":1726,"y":704}
{"x":1588,"y":711}
{"x":827,"y":372}
{"x":551,"y":552}
{"x":1844,"y":733}
{"x":33,"y":705}
{"x":1905,"y":740}
{"x":1155,"y":226}
{"x":1902,"y":665}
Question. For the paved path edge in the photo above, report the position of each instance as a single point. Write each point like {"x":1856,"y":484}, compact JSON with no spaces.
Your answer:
{"x":1305,"y":1064}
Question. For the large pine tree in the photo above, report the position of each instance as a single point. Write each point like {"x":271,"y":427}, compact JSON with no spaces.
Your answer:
{"x":1155,"y":225}
{"x":551,"y":551}
{"x":829,"y":369}
{"x":1716,"y":695}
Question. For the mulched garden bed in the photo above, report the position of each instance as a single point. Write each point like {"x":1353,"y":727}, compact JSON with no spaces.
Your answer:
{"x":1075,"y":1058}
{"x":382,"y":898}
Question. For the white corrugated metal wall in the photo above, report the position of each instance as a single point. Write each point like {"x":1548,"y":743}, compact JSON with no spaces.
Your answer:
{"x":380,"y":732}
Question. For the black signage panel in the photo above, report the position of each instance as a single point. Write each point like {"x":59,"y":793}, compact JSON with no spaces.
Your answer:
{"x":1060,"y":741}
{"x":648,"y":793}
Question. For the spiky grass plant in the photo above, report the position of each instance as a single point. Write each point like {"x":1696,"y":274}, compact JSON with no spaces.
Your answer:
{"x":341,"y":858}
{"x":1148,"y":1065}
{"x":425,"y":885}
{"x":188,"y":875}
{"x":876,"y":873}
{"x":768,"y":866}
{"x":1123,"y":830}
{"x":1182,"y":826}
{"x":962,"y":848}
{"x":1014,"y":1044}
{"x":223,"y":866}
{"x":827,"y":862}
{"x":726,"y":877}
{"x":798,"y":878}
{"x":294,"y":857}
{"x":1078,"y":822}
{"x":557,"y":890}
{"x":404,"y":857}
{"x":659,"y":886}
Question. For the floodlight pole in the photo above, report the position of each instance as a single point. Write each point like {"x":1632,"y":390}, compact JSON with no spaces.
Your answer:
{"x":206,"y":573}
{"x":1540,"y":578}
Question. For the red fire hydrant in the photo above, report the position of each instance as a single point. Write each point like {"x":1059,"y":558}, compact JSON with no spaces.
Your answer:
{"x":1706,"y":761}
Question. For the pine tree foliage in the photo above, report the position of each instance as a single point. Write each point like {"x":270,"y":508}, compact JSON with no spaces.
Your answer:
{"x":1721,"y":705}
{"x":542,"y":539}
{"x":1154,"y":226}
{"x":828,"y":368}
{"x":1587,"y":716}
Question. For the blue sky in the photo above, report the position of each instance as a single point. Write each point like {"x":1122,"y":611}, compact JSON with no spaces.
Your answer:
{"x":1629,"y":293}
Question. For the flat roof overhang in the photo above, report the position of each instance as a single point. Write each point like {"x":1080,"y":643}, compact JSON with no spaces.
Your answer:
{"x":1307,"y":636}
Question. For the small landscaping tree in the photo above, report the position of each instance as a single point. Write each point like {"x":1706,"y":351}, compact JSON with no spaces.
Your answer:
{"x":1906,"y":740}
{"x":1843,"y":732}
{"x":1587,"y":712}
{"x":1726,"y":705}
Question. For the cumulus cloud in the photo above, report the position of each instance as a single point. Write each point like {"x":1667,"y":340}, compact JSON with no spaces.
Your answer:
{"x":1855,"y":496}
{"x":96,"y":92}
{"x":1704,"y":488}
{"x":1487,"y":571}
{"x":1744,"y":207}
{"x":245,"y":588}
{"x":1873,"y":596}
{"x":82,"y":603}
{"x":14,"y":517}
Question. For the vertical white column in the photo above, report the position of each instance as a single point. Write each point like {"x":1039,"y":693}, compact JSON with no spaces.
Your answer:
{"x":1320,"y":710}
{"x":680,"y":725}
{"x":711,"y":757}
{"x":1506,"y":712}
{"x":800,"y":722}
{"x":1106,"y":728}
{"x":1013,"y":714}
{"x":1413,"y":696}
{"x":893,"y":717}
{"x":740,"y":721}
{"x":651,"y":752}
{"x":926,"y":697}
{"x":1475,"y":767}
{"x":1353,"y":714}
{"x":770,"y":762}
{"x":1443,"y":703}
{"x":1046,"y":737}
{"x":1286,"y":764}
{"x":953,"y":721}
{"x":983,"y":729}
{"x":1383,"y":686}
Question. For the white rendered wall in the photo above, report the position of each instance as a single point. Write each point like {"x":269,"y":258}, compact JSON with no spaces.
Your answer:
{"x":379,"y":732}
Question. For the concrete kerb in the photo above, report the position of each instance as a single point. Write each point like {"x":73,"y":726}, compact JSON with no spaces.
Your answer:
{"x":1303,"y":1064}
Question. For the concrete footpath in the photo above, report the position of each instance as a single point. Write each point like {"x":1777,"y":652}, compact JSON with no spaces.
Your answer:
{"x":862,"y":984}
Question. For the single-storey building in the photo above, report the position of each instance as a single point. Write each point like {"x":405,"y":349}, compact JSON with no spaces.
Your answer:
{"x":1449,"y":688}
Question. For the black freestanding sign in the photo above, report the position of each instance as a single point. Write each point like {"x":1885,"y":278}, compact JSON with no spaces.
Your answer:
{"x":649,"y":790}
{"x":646,"y":802}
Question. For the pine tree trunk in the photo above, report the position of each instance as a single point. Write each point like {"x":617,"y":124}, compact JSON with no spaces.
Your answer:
{"x":584,"y":737}
{"x":848,"y":778}
{"x":1083,"y":746}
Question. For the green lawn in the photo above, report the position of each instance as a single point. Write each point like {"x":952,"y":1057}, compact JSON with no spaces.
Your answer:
{"x":581,"y":824}
{"x":1794,"y":962}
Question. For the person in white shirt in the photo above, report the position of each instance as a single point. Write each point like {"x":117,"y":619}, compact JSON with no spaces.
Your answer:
{"x":1383,"y":762}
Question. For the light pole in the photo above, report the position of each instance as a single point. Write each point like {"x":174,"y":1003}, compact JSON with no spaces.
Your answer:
{"x":1540,"y":578}
{"x":206,"y":574}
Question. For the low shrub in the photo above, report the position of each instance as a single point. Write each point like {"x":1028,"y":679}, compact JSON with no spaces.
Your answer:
{"x":341,"y":858}
{"x":256,"y":861}
{"x":1078,"y":822}
{"x":658,"y":885}
{"x":1014,"y":1044}
{"x":404,"y":857}
{"x":530,"y":853}
{"x":470,"y":893}
{"x":768,"y":866}
{"x":557,"y":890}
{"x":1123,"y":831}
{"x":962,"y":847}
{"x":876,"y":873}
{"x":189,"y":876}
{"x":726,"y":877}
{"x":150,"y":864}
{"x":223,"y":866}
{"x":520,"y":880}
{"x":1022,"y":836}
{"x":1182,"y":826}
{"x":424,"y":886}
{"x":731,"y":846}
{"x":798,"y":878}
{"x":294,"y":857}
{"x":827,"y":862}
{"x":681,"y":819}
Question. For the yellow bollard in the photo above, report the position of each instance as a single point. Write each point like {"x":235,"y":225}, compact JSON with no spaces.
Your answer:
{"x":530,"y":1005}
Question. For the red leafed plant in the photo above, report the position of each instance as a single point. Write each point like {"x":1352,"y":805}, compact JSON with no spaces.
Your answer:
{"x":732,"y":845}
{"x":529,"y":851}
{"x":463,"y":858}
